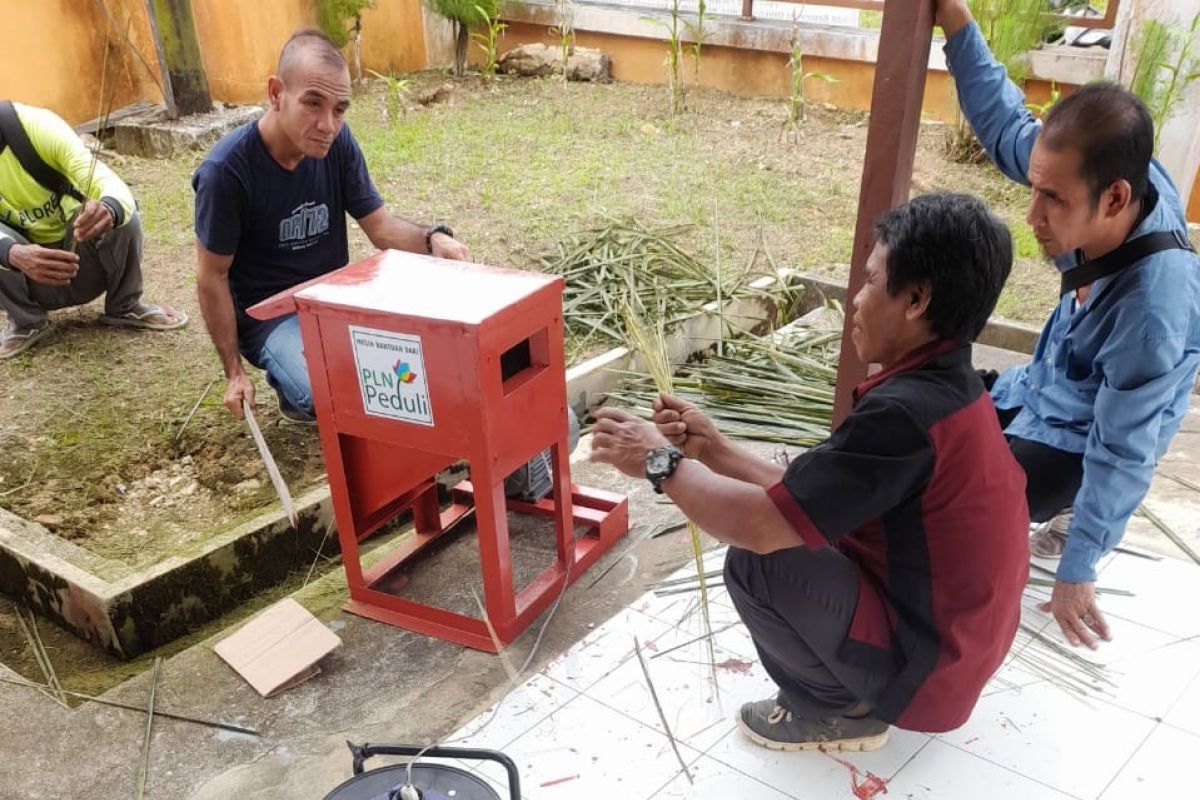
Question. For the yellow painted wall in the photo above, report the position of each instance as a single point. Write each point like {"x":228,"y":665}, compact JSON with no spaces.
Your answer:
{"x":52,"y":55}
{"x":393,"y":37}
{"x":58,"y":64}
{"x":1193,"y":209}
{"x":240,"y":41}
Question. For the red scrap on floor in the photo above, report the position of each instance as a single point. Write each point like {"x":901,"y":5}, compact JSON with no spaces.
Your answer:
{"x":864,"y":789}
{"x":740,"y":666}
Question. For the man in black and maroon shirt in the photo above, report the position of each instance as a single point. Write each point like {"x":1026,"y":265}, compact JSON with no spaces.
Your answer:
{"x":880,"y":573}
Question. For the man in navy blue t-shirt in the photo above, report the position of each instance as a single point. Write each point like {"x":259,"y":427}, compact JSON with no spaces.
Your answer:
{"x":271,"y":205}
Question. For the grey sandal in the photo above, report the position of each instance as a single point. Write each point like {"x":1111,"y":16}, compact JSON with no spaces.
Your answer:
{"x":14,"y":340}
{"x":1050,"y":539}
{"x":148,"y":317}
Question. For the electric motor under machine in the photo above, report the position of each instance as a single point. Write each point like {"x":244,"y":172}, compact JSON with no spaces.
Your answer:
{"x":430,"y":781}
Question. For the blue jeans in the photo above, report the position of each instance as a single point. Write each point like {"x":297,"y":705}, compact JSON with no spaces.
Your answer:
{"x":282,"y":356}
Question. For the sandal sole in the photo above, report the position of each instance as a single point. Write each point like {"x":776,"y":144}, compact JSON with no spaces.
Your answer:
{"x":28,"y":342}
{"x":861,"y":744}
{"x":121,"y":322}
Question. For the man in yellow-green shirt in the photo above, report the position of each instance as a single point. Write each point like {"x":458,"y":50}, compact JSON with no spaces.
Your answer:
{"x":56,"y":251}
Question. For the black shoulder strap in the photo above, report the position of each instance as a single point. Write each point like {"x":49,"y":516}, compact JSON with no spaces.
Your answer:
{"x":12,"y":134}
{"x":1124,"y":256}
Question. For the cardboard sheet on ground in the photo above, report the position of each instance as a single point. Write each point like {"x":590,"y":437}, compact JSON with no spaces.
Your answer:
{"x":278,"y":648}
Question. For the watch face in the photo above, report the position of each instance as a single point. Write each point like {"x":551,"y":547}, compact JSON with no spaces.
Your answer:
{"x":657,"y":461}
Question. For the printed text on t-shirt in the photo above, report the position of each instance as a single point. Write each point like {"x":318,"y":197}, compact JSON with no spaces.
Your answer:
{"x":304,"y":226}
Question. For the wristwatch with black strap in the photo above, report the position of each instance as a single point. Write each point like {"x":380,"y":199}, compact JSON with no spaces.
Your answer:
{"x":437,"y":227}
{"x":661,"y":463}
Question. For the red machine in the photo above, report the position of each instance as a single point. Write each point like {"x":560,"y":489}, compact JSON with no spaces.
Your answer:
{"x":405,"y":354}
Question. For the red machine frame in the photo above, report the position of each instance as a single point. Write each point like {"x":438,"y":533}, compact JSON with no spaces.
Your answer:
{"x":463,"y":319}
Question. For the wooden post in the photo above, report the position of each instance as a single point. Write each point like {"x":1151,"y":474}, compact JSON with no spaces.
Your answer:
{"x":899,"y":88}
{"x":163,"y":73}
{"x":174,"y":31}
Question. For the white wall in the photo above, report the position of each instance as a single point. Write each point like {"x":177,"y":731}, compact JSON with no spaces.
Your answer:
{"x":439,"y":39}
{"x":1179,"y":145}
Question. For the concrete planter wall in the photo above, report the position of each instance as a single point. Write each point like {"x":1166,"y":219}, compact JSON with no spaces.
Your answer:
{"x":1002,"y":333}
{"x":128,"y":611}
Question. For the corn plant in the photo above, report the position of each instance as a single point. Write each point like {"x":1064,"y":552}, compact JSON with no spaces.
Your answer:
{"x":1166,"y":65}
{"x":492,"y":28}
{"x":696,"y":31}
{"x":797,"y":102}
{"x":397,"y":94}
{"x":341,"y":20}
{"x":565,"y":31}
{"x":674,"y":60}
{"x":463,"y":14}
{"x":1040,"y":109}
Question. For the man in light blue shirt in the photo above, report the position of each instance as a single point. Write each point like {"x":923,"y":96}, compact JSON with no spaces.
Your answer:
{"x":1108,"y":384}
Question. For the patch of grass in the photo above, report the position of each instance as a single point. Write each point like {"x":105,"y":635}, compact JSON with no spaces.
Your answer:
{"x":589,"y":154}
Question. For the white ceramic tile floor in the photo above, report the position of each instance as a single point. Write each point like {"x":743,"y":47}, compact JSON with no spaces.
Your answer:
{"x":605,"y":648}
{"x":586,"y":728}
{"x":729,"y":632}
{"x":1161,"y":768}
{"x":1185,"y":714}
{"x":815,"y":774}
{"x":1151,"y":683}
{"x":1050,"y":736}
{"x":1130,"y":641}
{"x":585,"y":749}
{"x":712,"y":780}
{"x":683,"y":682}
{"x":944,"y":772}
{"x":517,"y":712}
{"x":1166,"y":593}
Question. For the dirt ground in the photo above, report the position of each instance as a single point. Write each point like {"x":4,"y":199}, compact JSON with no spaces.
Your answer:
{"x":118,"y":440}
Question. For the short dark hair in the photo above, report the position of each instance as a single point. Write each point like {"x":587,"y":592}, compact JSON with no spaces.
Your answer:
{"x":307,"y":40}
{"x":956,"y":246}
{"x":1113,"y":132}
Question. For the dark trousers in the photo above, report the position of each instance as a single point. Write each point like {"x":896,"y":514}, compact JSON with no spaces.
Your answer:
{"x":797,"y":605}
{"x":1052,"y":476}
{"x":109,"y":265}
